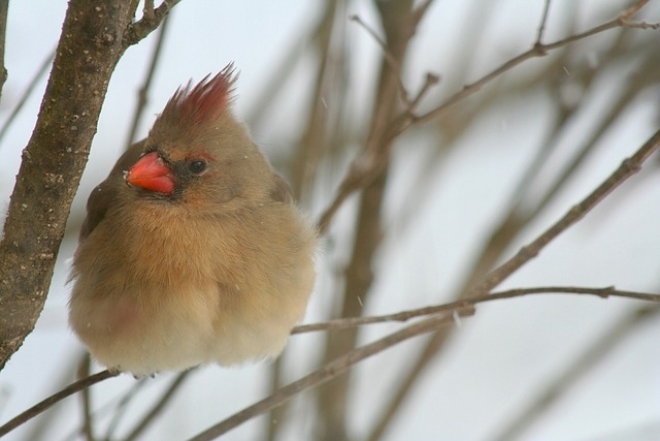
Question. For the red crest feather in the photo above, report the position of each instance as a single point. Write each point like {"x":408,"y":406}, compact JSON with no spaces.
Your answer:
{"x":202,"y":103}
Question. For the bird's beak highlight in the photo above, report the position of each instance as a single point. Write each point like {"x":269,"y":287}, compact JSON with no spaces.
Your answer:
{"x":151,"y":173}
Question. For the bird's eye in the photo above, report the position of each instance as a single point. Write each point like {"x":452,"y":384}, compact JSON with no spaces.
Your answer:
{"x":197,"y":166}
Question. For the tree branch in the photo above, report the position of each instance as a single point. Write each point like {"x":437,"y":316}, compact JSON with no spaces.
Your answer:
{"x":28,"y":92}
{"x":160,"y":405}
{"x":463,"y":307}
{"x":627,"y":168}
{"x":89,"y":49}
{"x":146,"y":85}
{"x":594,"y":354}
{"x":365,"y":167}
{"x":331,"y":370}
{"x":402,"y":316}
{"x":54,"y":399}
{"x":151,"y":18}
{"x":398,"y":24}
{"x":544,"y":20}
{"x":537,"y":50}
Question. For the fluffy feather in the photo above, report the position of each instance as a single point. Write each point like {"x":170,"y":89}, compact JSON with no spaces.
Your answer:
{"x":216,"y":268}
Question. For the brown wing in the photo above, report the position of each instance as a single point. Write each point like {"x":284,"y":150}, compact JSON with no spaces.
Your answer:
{"x":280,"y":190}
{"x":105,"y":193}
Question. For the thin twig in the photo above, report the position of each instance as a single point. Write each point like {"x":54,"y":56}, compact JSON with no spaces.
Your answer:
{"x":160,"y":405}
{"x":628,"y":167}
{"x":38,"y":408}
{"x":449,"y":308}
{"x":122,"y":407}
{"x":538,"y":50}
{"x":328,"y":372}
{"x":634,"y":9}
{"x":312,"y":143}
{"x":501,"y":239}
{"x":28,"y":92}
{"x":544,"y":19}
{"x":339,"y":365}
{"x":150,"y":21}
{"x":390,"y":59}
{"x":332,"y":398}
{"x":587,"y":359}
{"x":402,"y":316}
{"x":146,"y":85}
{"x":365,"y":167}
{"x":84,"y":372}
{"x":430,"y":80}
{"x":641,"y":25}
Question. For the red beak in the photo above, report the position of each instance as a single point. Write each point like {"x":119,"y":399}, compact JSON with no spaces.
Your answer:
{"x":152,"y":174}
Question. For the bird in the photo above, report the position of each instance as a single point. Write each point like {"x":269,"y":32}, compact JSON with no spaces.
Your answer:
{"x":193,"y":251}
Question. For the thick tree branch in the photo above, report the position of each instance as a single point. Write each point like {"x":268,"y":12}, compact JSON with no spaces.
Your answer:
{"x":92,"y":42}
{"x":53,"y":161}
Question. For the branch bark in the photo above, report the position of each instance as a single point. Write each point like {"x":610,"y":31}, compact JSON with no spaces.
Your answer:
{"x":94,"y":37}
{"x":399,"y":25}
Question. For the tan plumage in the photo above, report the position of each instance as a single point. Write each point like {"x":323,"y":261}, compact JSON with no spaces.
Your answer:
{"x":178,"y":267}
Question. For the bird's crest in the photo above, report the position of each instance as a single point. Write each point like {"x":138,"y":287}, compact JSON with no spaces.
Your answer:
{"x":202,"y":103}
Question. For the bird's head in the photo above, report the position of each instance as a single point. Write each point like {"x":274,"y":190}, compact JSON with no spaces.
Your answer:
{"x":197,"y":151}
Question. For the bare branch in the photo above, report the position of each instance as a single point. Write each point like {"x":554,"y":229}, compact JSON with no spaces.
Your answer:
{"x":628,"y":168}
{"x":148,"y":10}
{"x":398,"y":29}
{"x":538,"y":50}
{"x":544,"y":19}
{"x":594,"y":354}
{"x":390,"y":59}
{"x":632,"y":10}
{"x":343,"y":323}
{"x":146,"y":85}
{"x":88,"y":424}
{"x":641,"y":25}
{"x":53,"y":161}
{"x":28,"y":92}
{"x":331,"y":370}
{"x":160,"y":405}
{"x":402,"y":316}
{"x":121,"y":408}
{"x":150,"y":21}
{"x":367,"y":165}
{"x":53,"y":399}
{"x":430,"y":80}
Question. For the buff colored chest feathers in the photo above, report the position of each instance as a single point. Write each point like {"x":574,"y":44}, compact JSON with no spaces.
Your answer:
{"x":199,"y":257}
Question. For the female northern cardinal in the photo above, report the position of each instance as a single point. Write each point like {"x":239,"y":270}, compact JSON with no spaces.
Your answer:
{"x":192,"y":250}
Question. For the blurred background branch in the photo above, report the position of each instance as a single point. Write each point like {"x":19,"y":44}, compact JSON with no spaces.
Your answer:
{"x":431,"y":140}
